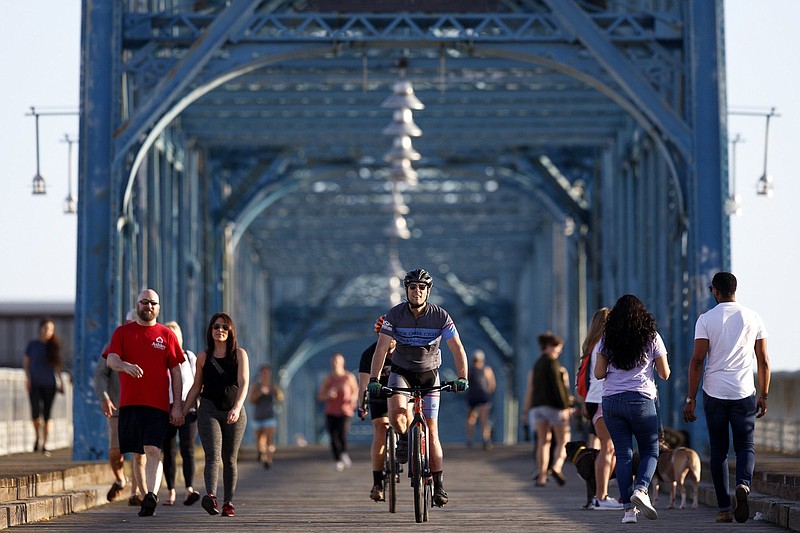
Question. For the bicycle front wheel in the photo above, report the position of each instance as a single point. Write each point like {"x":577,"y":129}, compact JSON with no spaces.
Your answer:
{"x":390,"y":470}
{"x":417,"y":475}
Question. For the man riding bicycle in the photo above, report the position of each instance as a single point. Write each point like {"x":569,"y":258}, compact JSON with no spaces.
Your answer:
{"x":418,"y":327}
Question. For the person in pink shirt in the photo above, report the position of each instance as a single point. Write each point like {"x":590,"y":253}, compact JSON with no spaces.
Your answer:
{"x":339,"y":391}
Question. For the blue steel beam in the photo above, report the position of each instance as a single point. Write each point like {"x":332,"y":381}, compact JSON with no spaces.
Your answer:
{"x":622,"y":71}
{"x":179,"y":78}
{"x":382,"y":27}
{"x":709,"y":243}
{"x":95,"y":310}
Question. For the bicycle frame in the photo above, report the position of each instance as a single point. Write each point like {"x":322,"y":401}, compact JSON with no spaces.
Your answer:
{"x":419,"y":447}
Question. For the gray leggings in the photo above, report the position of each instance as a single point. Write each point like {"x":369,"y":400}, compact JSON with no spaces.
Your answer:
{"x":221,"y":443}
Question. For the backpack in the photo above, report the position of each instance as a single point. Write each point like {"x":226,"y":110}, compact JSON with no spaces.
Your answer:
{"x":582,"y":381}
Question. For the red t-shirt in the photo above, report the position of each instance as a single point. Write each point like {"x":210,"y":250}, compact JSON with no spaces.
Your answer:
{"x":155,"y":349}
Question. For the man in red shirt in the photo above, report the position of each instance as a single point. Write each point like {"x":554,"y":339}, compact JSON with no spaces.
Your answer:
{"x":145,"y":354}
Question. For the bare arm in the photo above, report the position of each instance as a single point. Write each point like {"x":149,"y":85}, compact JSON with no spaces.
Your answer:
{"x":176,"y":414}
{"x":601,"y":366}
{"x":662,"y":367}
{"x":243,"y":380}
{"x":116,"y":364}
{"x":491,"y":383}
{"x":26,"y":365}
{"x":363,"y":380}
{"x":379,"y":357}
{"x":351,"y":378}
{"x":762,"y":360}
{"x":695,"y":371}
{"x":528,"y":400}
{"x":101,"y":377}
{"x":459,"y":356}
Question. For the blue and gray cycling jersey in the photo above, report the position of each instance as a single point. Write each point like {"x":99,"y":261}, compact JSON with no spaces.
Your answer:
{"x":418,"y":338}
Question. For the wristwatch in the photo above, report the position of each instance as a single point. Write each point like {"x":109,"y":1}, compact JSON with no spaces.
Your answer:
{"x":689,"y":400}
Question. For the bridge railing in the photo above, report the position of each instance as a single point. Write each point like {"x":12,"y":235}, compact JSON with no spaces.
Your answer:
{"x":16,"y":429}
{"x":779,"y":430}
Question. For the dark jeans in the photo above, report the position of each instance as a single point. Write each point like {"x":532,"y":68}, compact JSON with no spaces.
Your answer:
{"x":740,"y":417}
{"x":628,"y":415}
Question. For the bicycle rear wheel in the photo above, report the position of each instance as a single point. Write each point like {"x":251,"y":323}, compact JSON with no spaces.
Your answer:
{"x":390,"y":470}
{"x":417,"y":475}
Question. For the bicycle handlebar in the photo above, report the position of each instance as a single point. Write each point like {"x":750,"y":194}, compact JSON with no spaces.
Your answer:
{"x":419,"y":391}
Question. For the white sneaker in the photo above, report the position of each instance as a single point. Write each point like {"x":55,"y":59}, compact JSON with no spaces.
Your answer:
{"x":609,"y":504}
{"x":339,"y":466}
{"x":630,"y":516}
{"x":642,"y":502}
{"x":346,"y":460}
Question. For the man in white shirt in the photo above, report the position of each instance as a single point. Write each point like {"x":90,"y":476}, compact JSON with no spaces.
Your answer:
{"x":732,"y":340}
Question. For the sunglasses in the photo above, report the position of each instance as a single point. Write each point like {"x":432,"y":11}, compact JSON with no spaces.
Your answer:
{"x":415,"y":286}
{"x":223,"y":327}
{"x":148,"y":302}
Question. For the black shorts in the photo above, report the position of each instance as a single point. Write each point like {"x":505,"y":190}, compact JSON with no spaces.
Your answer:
{"x":474,"y":403}
{"x":591,"y":408}
{"x":378,"y":408}
{"x":41,"y":399}
{"x":140,"y":426}
{"x":427,"y":378}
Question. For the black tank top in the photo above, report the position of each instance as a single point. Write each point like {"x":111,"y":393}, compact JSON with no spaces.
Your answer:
{"x":220,"y":381}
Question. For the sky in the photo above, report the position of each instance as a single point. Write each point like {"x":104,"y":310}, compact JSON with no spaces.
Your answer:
{"x":40,"y":65}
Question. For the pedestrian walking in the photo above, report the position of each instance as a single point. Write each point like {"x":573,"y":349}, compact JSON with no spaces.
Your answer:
{"x":147,"y":355}
{"x":339,"y":391}
{"x":222,"y":382}
{"x":630,"y":354}
{"x":730,"y":346}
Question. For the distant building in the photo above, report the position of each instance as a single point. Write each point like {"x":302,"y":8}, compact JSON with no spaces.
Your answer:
{"x":19,"y":323}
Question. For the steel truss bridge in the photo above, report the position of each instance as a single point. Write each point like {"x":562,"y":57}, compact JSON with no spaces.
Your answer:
{"x":231,"y":158}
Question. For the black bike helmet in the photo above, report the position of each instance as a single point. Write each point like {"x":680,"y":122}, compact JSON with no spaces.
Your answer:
{"x":418,"y":275}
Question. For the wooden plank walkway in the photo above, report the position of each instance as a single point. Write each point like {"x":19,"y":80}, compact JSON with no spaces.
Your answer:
{"x":490,"y":491}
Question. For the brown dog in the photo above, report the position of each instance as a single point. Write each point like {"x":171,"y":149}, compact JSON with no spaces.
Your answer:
{"x":674,"y":466}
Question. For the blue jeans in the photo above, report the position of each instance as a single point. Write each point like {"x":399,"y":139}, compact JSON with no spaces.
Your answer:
{"x":628,"y":415}
{"x":740,"y":417}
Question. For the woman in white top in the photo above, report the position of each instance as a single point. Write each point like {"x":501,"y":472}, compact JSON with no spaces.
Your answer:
{"x":187,"y":432}
{"x":593,"y":410}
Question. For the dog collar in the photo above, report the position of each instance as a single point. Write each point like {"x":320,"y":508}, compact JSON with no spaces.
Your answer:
{"x":575,"y":456}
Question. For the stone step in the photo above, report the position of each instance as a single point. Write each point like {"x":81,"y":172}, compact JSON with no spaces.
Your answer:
{"x":59,"y":479}
{"x":38,"y":508}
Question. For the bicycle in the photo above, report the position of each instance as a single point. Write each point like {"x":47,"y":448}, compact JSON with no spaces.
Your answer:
{"x":418,"y":446}
{"x":391,"y":468}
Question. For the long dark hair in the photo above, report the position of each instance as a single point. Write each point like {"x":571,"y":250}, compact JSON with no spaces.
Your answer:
{"x":52,"y":349}
{"x":231,"y":344}
{"x":630,"y":330}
